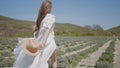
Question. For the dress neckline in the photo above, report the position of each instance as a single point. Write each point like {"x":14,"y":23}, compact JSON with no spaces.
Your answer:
{"x":45,"y":17}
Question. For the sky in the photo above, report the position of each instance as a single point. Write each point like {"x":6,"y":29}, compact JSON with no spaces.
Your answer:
{"x":106,"y":13}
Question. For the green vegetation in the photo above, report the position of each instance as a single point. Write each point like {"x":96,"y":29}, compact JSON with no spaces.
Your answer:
{"x":79,"y":56}
{"x":6,"y":51}
{"x":59,"y":52}
{"x":77,"y":48}
{"x":7,"y":44}
{"x":12,"y":28}
{"x":17,"y":28}
{"x":118,"y":38}
{"x":106,"y":60}
{"x":75,"y":58}
{"x":67,"y":35}
{"x":115,"y":31}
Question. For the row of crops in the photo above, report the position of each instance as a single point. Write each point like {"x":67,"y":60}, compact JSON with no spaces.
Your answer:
{"x":73,"y":59}
{"x":107,"y":58}
{"x":70,"y":51}
{"x":6,"y":49}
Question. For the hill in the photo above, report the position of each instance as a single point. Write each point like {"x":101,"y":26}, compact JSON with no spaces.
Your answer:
{"x":115,"y":31}
{"x":75,"y":30}
{"x":14,"y":27}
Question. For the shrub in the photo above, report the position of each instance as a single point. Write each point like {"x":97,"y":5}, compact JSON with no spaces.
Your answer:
{"x":1,"y":58}
{"x":102,"y":64}
{"x":62,"y":62}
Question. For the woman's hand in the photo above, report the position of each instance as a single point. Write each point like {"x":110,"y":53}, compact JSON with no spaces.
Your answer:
{"x":40,"y":47}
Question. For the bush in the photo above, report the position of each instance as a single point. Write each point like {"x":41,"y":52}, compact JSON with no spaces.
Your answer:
{"x":59,"y":52}
{"x":1,"y":58}
{"x":6,"y":63}
{"x":102,"y":64}
{"x":62,"y":62}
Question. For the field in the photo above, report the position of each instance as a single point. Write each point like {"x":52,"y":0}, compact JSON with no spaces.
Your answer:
{"x":73,"y":52}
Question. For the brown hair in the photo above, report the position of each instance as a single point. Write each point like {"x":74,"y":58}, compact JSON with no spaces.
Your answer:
{"x":44,"y":9}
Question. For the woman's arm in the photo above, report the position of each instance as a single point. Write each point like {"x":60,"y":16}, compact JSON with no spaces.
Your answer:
{"x":48,"y":25}
{"x":45,"y":36}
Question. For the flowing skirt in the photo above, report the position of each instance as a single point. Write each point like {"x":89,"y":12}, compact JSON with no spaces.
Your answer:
{"x":39,"y":61}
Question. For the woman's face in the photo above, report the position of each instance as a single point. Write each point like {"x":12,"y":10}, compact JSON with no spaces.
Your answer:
{"x":48,"y":8}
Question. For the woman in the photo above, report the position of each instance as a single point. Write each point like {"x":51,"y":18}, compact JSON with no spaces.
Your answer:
{"x":44,"y":34}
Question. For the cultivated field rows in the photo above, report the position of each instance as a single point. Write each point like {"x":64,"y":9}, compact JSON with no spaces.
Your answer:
{"x":72,"y":52}
{"x":91,"y":60}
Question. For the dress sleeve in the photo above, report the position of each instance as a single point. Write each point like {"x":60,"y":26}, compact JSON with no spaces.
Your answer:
{"x":50,"y":20}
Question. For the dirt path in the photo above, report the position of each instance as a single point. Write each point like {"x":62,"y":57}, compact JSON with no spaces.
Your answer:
{"x":90,"y":61}
{"x":117,"y":55}
{"x":63,"y":48}
{"x":78,"y":44}
{"x":75,"y":52}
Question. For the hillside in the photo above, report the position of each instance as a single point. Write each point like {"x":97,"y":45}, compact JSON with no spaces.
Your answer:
{"x":115,"y":31}
{"x":75,"y":30}
{"x":13,"y":27}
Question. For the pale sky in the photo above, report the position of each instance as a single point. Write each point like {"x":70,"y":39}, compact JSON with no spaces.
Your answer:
{"x":106,"y":13}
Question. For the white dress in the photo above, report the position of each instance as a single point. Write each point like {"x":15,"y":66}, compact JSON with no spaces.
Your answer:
{"x":40,"y":61}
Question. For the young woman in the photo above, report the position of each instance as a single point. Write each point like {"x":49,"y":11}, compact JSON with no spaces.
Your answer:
{"x":44,"y":34}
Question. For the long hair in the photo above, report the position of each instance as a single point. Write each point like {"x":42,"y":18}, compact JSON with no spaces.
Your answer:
{"x":42,"y":13}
